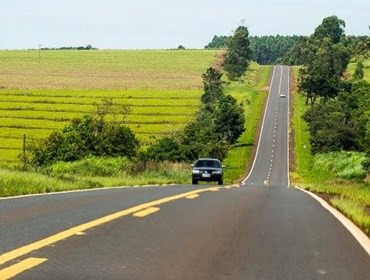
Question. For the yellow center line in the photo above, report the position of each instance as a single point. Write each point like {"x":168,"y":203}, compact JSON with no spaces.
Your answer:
{"x":83,"y":227}
{"x":146,"y":212}
{"x":11,"y":271}
{"x":192,"y":196}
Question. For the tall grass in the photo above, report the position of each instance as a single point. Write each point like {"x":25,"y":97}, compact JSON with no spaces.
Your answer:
{"x":14,"y":183}
{"x":344,"y":165}
{"x":354,"y":211}
{"x":91,"y":172}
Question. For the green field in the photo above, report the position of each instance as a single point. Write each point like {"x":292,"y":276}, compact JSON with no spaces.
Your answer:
{"x":352,"y":67}
{"x":161,"y":88}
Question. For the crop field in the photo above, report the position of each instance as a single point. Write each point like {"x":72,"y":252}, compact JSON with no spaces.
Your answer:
{"x":104,"y":69}
{"x":160,"y":89}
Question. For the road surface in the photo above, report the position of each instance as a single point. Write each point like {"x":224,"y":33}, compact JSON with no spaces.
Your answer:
{"x":260,"y":230}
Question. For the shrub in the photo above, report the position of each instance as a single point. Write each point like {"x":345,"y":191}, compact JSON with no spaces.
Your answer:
{"x":166,"y":149}
{"x":91,"y":166}
{"x":345,"y":165}
{"x":85,"y":136}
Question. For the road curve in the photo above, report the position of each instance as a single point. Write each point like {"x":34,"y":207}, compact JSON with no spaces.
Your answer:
{"x":260,"y":230}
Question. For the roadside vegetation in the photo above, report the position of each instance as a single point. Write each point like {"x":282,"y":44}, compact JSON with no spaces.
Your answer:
{"x":331,"y":121}
{"x":74,"y":136}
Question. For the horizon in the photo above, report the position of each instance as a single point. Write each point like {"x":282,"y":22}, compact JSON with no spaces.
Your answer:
{"x":165,"y":24}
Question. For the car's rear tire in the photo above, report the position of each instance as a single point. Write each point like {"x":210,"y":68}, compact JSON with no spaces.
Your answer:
{"x":194,"y":182}
{"x":220,"y":182}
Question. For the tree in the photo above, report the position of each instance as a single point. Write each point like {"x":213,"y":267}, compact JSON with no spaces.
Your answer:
{"x":229,"y":119}
{"x":359,"y":72}
{"x":331,"y":127}
{"x":166,"y":149}
{"x":238,"y":54}
{"x":325,"y":62}
{"x":212,"y":86}
{"x":331,"y":27}
{"x":218,"y":42}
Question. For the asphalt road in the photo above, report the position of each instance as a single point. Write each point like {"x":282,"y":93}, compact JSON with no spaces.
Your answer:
{"x":260,"y":230}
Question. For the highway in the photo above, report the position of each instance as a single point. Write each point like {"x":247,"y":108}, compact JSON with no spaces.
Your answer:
{"x":261,"y":229}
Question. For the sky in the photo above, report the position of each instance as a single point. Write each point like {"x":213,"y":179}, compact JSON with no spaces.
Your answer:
{"x":161,"y":24}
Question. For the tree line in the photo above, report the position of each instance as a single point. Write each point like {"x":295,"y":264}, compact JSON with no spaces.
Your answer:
{"x":339,"y":114}
{"x":265,"y":49}
{"x":291,"y":50}
{"x":79,"y":48}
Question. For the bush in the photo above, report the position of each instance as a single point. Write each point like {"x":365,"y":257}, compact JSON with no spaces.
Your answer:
{"x":345,"y":165}
{"x":91,"y":166}
{"x":83,"y":137}
{"x":166,"y":149}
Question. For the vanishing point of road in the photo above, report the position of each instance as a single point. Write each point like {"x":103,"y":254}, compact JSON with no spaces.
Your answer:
{"x":261,"y":229}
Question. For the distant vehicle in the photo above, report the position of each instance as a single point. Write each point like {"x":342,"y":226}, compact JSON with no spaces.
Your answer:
{"x":282,"y":94}
{"x":208,"y":169}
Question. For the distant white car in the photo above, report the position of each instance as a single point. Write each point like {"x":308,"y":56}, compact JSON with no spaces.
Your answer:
{"x":282,"y":94}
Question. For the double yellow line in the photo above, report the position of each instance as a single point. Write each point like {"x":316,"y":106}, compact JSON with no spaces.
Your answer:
{"x":138,"y":211}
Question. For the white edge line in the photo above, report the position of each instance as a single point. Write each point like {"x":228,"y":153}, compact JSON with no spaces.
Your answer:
{"x":288,"y":119}
{"x":357,"y":233}
{"x":263,"y":122}
{"x":83,"y":190}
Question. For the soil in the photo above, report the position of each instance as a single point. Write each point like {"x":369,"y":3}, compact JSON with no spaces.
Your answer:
{"x":219,"y":61}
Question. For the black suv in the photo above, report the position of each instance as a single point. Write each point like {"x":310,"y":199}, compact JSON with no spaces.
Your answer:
{"x":208,"y":169}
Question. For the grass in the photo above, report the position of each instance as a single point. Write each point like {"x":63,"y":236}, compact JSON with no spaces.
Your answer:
{"x":252,"y":93}
{"x":352,"y":67}
{"x":89,"y":173}
{"x":354,"y":211}
{"x":337,"y":174}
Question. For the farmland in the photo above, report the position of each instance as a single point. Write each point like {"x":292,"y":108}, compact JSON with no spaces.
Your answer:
{"x":160,"y":88}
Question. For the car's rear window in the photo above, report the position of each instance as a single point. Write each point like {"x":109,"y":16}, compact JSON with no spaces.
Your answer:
{"x":208,"y":163}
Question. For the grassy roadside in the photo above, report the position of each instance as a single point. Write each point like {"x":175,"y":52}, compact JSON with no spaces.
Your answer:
{"x":90,"y":173}
{"x":331,"y":181}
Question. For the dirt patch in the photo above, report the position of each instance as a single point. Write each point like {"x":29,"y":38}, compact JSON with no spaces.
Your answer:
{"x":220,"y":57}
{"x":266,"y":89}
